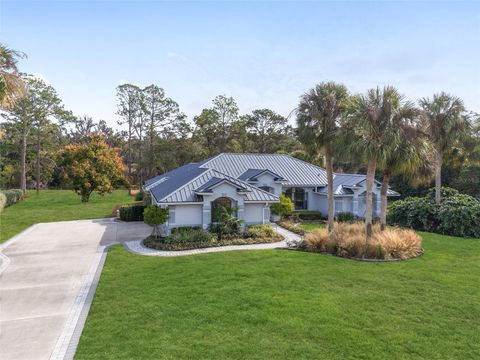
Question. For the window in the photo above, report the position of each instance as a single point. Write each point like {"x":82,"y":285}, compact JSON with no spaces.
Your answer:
{"x":338,"y":206}
{"x":267,"y":189}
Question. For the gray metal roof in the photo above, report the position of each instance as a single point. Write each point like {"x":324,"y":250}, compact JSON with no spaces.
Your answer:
{"x":210,"y":184}
{"x":342,"y":184}
{"x":252,"y":174}
{"x":182,"y":184}
{"x":187,"y":193}
{"x":171,"y":181}
{"x":294,"y":171}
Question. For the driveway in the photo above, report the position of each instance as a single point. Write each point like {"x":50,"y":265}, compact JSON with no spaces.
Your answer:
{"x":45,"y":276}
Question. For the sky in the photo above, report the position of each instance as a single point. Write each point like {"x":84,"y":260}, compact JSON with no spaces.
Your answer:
{"x":263,"y":54}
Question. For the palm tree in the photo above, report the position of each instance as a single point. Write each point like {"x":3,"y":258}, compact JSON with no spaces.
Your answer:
{"x":11,"y":84}
{"x":410,"y":158}
{"x":443,"y":119}
{"x":318,"y":116}
{"x":371,"y":135}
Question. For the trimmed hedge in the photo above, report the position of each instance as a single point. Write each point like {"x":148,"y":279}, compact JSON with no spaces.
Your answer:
{"x":308,"y":215}
{"x":132,"y":212}
{"x":457,"y":215}
{"x":3,"y":201}
{"x":11,"y":196}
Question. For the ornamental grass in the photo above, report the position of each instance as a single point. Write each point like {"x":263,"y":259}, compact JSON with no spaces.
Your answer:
{"x":348,"y":240}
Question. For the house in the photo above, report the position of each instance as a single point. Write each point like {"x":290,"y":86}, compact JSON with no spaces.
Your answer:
{"x":250,"y":183}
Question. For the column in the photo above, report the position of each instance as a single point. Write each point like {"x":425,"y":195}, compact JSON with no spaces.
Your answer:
{"x":206,"y":216}
{"x":355,"y":204}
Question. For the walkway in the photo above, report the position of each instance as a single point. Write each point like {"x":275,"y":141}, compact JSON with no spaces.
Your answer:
{"x":138,"y":248}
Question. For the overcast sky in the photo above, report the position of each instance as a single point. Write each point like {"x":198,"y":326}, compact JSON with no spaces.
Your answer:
{"x":264,"y":54}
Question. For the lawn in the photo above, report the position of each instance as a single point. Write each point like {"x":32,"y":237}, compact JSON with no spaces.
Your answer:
{"x":279,"y":304}
{"x":311,"y":226}
{"x":56,"y":205}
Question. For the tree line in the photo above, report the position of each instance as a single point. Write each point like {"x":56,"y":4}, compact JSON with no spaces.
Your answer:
{"x":378,"y":132}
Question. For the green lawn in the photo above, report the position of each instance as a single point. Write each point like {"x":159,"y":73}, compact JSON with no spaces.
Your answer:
{"x":56,"y":205}
{"x":311,"y":226}
{"x":278,"y":304}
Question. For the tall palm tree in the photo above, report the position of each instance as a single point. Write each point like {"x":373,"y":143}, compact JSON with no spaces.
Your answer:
{"x":318,"y":115}
{"x":11,"y":84}
{"x":410,"y":158}
{"x":372,"y":134}
{"x":444,"y":121}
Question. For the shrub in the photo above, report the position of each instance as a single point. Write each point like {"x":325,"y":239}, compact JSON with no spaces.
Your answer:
{"x":185,"y":228}
{"x":292,"y":226}
{"x":189,"y":235}
{"x":12,"y":196}
{"x":184,"y":238}
{"x":139,"y":196}
{"x":3,"y":201}
{"x":283,"y":208}
{"x":345,"y":217}
{"x":348,"y":240}
{"x":308,"y":215}
{"x":458,"y":214}
{"x":260,"y":231}
{"x":154,"y":216}
{"x":132,"y":212}
{"x":226,"y":222}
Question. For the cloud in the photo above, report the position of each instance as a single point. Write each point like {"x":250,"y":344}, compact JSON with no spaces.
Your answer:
{"x":175,"y":56}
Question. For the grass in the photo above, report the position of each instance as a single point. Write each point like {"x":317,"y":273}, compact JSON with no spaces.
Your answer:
{"x":56,"y":205}
{"x":311,"y":226}
{"x":277,"y":304}
{"x":348,"y":240}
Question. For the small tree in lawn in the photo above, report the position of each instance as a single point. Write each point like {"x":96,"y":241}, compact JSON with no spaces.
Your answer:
{"x":92,"y":167}
{"x":155,"y":216}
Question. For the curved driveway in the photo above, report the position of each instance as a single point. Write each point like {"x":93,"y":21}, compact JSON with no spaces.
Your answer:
{"x":43,"y":279}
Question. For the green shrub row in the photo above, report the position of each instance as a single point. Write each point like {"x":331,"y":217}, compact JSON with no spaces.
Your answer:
{"x":457,"y":214}
{"x":132,"y":212}
{"x":10,"y":197}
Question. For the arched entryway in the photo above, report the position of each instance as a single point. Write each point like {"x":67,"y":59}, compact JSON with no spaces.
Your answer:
{"x":218,"y":205}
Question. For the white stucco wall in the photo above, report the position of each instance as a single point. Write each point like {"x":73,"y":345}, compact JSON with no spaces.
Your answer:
{"x":320,"y":203}
{"x":253,"y":214}
{"x":268,"y":180}
{"x":185,"y":215}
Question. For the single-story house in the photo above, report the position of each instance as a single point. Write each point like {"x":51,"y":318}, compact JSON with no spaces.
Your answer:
{"x":250,"y":183}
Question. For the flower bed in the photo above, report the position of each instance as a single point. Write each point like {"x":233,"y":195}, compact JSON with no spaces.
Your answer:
{"x":292,"y":226}
{"x":348,"y":240}
{"x":194,"y":238}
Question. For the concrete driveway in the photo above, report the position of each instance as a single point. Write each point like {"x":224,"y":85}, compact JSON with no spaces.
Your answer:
{"x":44,"y":278}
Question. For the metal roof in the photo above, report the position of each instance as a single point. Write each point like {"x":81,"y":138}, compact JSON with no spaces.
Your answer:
{"x":182,"y":184}
{"x":214,"y":181}
{"x":294,"y":171}
{"x":252,"y":174}
{"x":342,"y":184}
{"x":171,"y":181}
